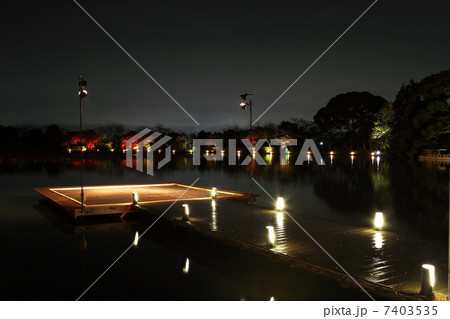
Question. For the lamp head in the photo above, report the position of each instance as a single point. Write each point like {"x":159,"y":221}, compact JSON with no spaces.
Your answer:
{"x":243,"y":105}
{"x":82,"y":92}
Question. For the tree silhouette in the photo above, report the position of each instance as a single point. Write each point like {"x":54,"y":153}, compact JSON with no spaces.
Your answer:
{"x":350,"y":117}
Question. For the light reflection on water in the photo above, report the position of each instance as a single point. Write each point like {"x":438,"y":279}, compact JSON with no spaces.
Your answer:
{"x":410,"y":196}
{"x":280,"y":220}
{"x":186,"y":266}
{"x":335,"y":191}
{"x":280,"y":232}
{"x":378,"y":240}
{"x":214,"y":215}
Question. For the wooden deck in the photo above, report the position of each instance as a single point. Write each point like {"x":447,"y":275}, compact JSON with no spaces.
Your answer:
{"x":115,"y":199}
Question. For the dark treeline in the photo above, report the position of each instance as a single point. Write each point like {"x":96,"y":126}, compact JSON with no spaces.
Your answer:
{"x":419,"y":117}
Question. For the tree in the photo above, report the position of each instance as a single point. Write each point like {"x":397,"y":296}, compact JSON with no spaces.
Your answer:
{"x":111,"y":136}
{"x":53,"y":137}
{"x":422,"y":115}
{"x":349,"y":118}
{"x":381,"y":133}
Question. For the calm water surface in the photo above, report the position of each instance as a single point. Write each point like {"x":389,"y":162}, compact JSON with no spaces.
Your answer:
{"x":42,"y":259}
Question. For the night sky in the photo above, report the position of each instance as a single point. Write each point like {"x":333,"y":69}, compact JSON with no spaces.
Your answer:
{"x":205,"y":54}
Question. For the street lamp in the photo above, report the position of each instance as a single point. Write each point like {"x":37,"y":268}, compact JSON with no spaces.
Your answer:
{"x":244,"y":105}
{"x":82,"y":93}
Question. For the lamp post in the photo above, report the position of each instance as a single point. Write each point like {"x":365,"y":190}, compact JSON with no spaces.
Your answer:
{"x":82,"y":93}
{"x":244,"y":103}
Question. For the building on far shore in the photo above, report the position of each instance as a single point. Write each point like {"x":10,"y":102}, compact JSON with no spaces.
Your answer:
{"x":435,"y":152}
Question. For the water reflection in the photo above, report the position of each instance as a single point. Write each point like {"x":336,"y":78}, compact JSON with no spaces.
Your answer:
{"x":412,"y":194}
{"x":280,"y":220}
{"x":213,"y":215}
{"x":268,"y":158}
{"x":186,"y":266}
{"x":136,"y":239}
{"x":280,"y":232}
{"x":378,"y":240}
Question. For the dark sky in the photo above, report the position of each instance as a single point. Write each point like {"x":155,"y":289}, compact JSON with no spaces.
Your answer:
{"x":207,"y":53}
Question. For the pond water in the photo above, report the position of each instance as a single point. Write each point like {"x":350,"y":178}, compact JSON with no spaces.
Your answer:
{"x":42,"y":260}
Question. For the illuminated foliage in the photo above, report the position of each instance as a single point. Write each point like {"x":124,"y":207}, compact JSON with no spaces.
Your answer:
{"x":422,"y":115}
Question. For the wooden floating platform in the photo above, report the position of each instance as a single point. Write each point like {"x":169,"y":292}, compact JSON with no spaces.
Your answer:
{"x":116,"y":199}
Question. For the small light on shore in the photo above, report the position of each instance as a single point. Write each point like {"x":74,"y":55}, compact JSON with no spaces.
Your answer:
{"x":136,"y":239}
{"x":214,"y":192}
{"x":135,"y":198}
{"x":186,"y":212}
{"x":379,"y":220}
{"x":280,"y":203}
{"x":428,"y":280}
{"x":70,"y":150}
{"x":173,"y":152}
{"x":270,"y":240}
{"x":186,"y":266}
{"x":272,"y":299}
{"x":432,"y":273}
